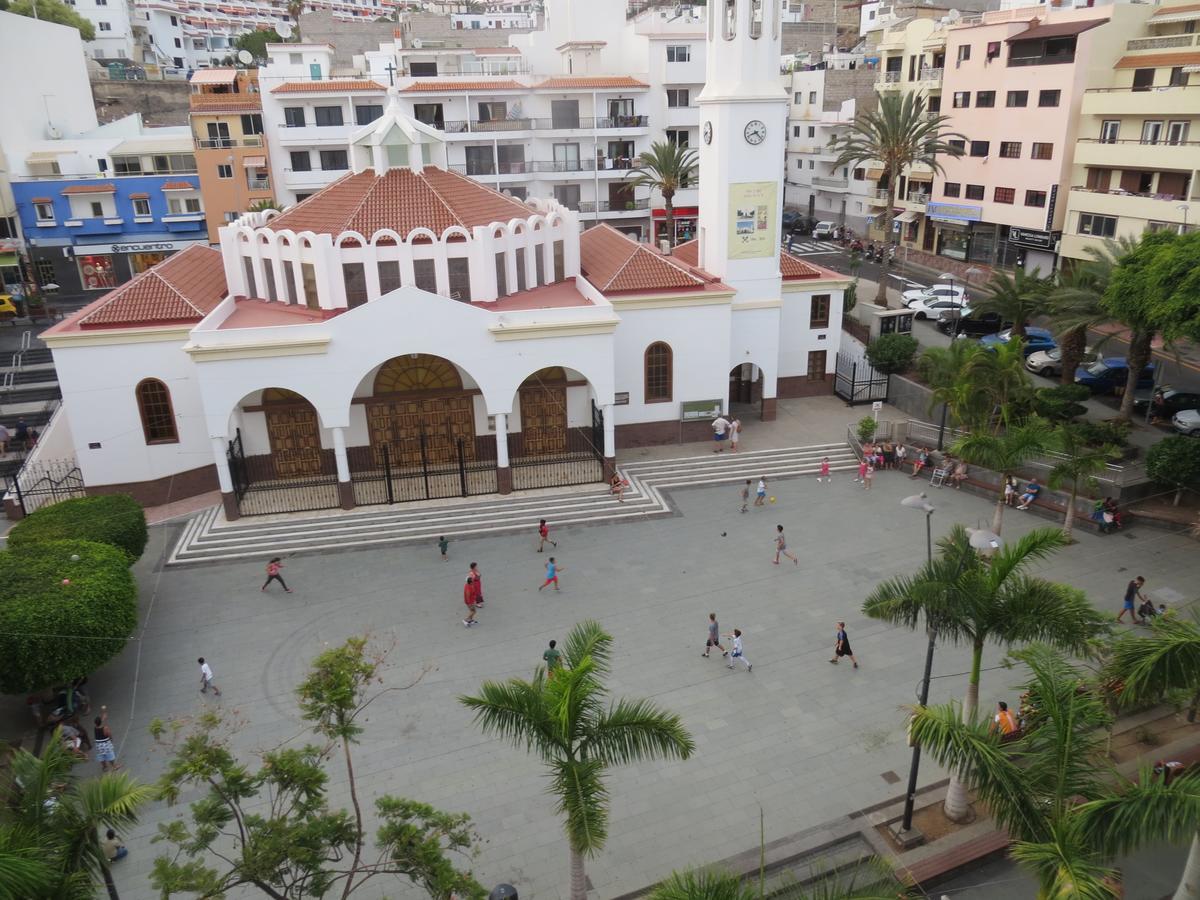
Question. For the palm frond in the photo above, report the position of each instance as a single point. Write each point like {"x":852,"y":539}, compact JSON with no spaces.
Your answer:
{"x":1165,"y":659}
{"x":703,"y":884}
{"x":583,"y":799}
{"x":1065,"y":870}
{"x":634,"y":730}
{"x":1141,"y":812}
{"x":589,"y":640}
{"x":516,"y":711}
{"x":1032,"y":609}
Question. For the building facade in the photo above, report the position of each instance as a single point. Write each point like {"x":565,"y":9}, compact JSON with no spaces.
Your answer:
{"x":231,"y":154}
{"x":410,"y":332}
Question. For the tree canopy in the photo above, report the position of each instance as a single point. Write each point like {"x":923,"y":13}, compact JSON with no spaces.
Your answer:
{"x":892,"y":354}
{"x":256,"y":42}
{"x":1157,"y":285}
{"x":54,"y":11}
{"x":1175,"y":462}
{"x":115,"y":519}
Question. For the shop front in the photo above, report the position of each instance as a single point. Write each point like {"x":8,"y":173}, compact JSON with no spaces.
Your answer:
{"x":955,"y":225}
{"x":93,"y":268}
{"x":686,"y":218}
{"x":1034,"y":249}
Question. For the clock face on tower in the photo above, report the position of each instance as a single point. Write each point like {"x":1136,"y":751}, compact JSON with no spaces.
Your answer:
{"x":756,"y":132}
{"x":708,"y":132}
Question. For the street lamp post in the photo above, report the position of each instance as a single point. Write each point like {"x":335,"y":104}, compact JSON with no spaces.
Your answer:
{"x":1183,"y":208}
{"x":949,"y":276}
{"x":906,"y":835}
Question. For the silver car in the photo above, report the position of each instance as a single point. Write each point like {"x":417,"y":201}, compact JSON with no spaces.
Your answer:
{"x":1187,"y":421}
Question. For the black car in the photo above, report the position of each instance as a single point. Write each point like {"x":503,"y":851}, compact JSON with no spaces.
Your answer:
{"x":795,"y":223}
{"x":975,"y":324}
{"x":1173,"y":401}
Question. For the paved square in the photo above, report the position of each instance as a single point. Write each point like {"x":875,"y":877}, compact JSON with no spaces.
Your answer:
{"x":804,"y":740}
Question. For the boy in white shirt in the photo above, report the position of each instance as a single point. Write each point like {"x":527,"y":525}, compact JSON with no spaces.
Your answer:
{"x":206,"y":678}
{"x":735,"y":652}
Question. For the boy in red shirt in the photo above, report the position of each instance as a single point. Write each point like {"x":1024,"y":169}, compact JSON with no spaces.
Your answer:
{"x":469,"y":596}
{"x":544,"y":536}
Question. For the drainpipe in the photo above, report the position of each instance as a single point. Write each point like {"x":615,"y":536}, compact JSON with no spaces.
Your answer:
{"x":595,"y":156}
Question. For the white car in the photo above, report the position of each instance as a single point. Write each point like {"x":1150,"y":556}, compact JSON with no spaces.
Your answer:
{"x":933,"y":308}
{"x":936,"y":292}
{"x":824,"y":230}
{"x":1187,"y":421}
{"x":1047,"y":363}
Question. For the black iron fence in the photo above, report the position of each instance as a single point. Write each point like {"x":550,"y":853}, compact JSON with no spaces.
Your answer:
{"x":581,"y":461}
{"x":419,"y":470}
{"x":855,"y":381}
{"x":42,"y":483}
{"x":278,"y":484}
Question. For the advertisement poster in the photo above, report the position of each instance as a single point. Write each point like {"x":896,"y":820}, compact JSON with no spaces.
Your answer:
{"x":752,"y":229}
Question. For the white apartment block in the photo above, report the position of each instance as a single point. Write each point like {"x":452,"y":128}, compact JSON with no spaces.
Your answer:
{"x":561,"y":113}
{"x":814,"y":185}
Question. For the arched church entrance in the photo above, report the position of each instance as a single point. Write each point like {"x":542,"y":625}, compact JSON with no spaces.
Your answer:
{"x":421,"y":411}
{"x":294,"y":433}
{"x":543,"y":397}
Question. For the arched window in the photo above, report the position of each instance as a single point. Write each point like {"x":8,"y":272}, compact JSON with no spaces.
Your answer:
{"x":756,"y":19}
{"x":658,"y":373}
{"x":729,"y":20}
{"x":158,"y":417}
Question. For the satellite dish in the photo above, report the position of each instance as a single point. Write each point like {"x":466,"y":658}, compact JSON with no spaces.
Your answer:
{"x":245,"y":57}
{"x":416,"y":42}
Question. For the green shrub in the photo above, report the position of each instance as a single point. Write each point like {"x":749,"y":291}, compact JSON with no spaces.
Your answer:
{"x":1175,"y":462}
{"x":115,"y":519}
{"x":61,"y":618}
{"x":866,"y":428}
{"x":1097,"y":434}
{"x":1061,"y":402}
{"x":891,"y":354}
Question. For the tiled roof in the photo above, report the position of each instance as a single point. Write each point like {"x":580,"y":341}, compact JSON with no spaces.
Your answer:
{"x":139,"y":196}
{"x":42,"y":200}
{"x":594,"y":82}
{"x":687,"y":252}
{"x":570,"y":44}
{"x":90,"y":189}
{"x":1169,"y":10}
{"x":401,"y":200}
{"x":496,"y":51}
{"x":1158,"y":60}
{"x":216,"y":103}
{"x":444,"y":85}
{"x":185,"y":287}
{"x":614,"y":263}
{"x":179,"y":186}
{"x":792,"y":268}
{"x":332,"y":87}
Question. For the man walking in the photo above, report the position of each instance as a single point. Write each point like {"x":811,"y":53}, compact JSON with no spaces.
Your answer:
{"x":551,"y":574}
{"x":736,"y":653}
{"x":714,"y":637}
{"x":552,"y":658}
{"x":1133,"y":592}
{"x":206,"y":678}
{"x":841,"y":646}
{"x":720,"y":426}
{"x":544,"y":536}
{"x":781,"y":546}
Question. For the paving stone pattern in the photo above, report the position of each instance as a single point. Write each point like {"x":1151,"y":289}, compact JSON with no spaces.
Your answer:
{"x":804,"y":740}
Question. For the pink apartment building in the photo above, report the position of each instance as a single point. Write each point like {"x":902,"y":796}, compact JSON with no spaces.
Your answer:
{"x":1012,"y":86}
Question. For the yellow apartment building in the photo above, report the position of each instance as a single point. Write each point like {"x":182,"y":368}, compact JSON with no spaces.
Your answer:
{"x":1138,"y":149}
{"x":231,"y":149}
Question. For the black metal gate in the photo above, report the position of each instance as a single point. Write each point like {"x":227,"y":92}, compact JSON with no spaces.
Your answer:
{"x":378,"y":475}
{"x":41,"y":484}
{"x":855,"y":381}
{"x":581,"y":462}
{"x":260,"y":488}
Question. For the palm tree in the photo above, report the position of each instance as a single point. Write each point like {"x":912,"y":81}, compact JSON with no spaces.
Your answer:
{"x":566,"y":722}
{"x":717,"y":884}
{"x":1032,"y":787}
{"x":1017,"y":298}
{"x":66,"y":814}
{"x":947,"y":371}
{"x":899,"y":134}
{"x":294,"y":9}
{"x":963,"y":597}
{"x":1003,"y":453}
{"x":1079,"y":460}
{"x":665,"y":167}
{"x":998,"y":374}
{"x":1075,"y":306}
{"x":1148,"y":667}
{"x":703,"y":884}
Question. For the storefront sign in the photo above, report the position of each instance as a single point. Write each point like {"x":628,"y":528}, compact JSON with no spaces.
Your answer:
{"x":752,"y":233}
{"x":1050,"y":207}
{"x":1027,"y":237}
{"x":134,"y":247}
{"x":699,"y":410}
{"x":953,"y":212}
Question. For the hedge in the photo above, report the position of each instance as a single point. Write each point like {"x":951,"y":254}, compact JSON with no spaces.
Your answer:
{"x":115,"y":519}
{"x":62,"y":618}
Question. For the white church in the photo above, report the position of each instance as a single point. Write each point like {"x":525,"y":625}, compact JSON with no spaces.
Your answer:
{"x":408,"y":333}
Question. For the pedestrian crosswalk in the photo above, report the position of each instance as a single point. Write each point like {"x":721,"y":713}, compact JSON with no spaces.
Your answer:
{"x":810,"y":247}
{"x":207,"y":537}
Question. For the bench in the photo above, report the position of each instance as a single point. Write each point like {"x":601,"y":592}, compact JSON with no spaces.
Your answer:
{"x":940,"y":866}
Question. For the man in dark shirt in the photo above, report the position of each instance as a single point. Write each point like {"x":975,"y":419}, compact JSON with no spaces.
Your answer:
{"x":1133,"y":591}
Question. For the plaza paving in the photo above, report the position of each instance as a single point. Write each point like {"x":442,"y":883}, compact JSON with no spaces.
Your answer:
{"x":803,"y":740}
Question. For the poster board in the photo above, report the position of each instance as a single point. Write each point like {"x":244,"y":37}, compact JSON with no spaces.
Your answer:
{"x":753,"y":231}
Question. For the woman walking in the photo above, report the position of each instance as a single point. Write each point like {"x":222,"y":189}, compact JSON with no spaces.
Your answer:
{"x":273,"y":568}
{"x":841,"y":646}
{"x":105,"y":752}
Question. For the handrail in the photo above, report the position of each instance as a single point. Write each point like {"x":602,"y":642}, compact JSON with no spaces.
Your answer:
{"x":1161,"y":143}
{"x":26,"y":339}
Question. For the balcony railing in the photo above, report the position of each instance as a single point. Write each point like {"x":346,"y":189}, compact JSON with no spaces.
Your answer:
{"x":1117,"y":192}
{"x":928,"y":73}
{"x":604,"y":206}
{"x":582,"y":123}
{"x":1161,"y":142}
{"x":825,"y":181}
{"x":1142,"y":89}
{"x":228,"y":143}
{"x":889,"y":77}
{"x":1161,"y":43}
{"x":916,"y":197}
{"x":487,"y":167}
{"x":258,"y":184}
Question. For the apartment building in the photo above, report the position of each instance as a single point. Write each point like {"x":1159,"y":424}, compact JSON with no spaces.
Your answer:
{"x":561,"y":113}
{"x":1137,"y":149}
{"x":824,"y":103}
{"x":231,"y":157}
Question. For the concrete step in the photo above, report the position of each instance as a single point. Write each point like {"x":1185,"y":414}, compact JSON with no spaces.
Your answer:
{"x":208,"y":537}
{"x":30,"y":393}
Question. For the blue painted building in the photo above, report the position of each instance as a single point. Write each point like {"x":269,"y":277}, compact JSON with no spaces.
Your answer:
{"x":91,"y":233}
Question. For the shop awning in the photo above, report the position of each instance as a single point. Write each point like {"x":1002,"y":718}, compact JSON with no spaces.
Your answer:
{"x":254,"y":162}
{"x":1057,"y":29}
{"x":920,"y":176}
{"x":137,"y":146}
{"x":1167,"y":14}
{"x":907,"y":216}
{"x":214,"y":76}
{"x":874,"y":174}
{"x":43,"y":156}
{"x":8,"y":259}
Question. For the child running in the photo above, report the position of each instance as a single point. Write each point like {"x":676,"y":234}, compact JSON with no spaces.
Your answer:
{"x":745,"y":496}
{"x":443,"y":545}
{"x":737,"y":650}
{"x":824,"y":473}
{"x":760,"y":496}
{"x":544,"y":536}
{"x":273,"y":569}
{"x":781,"y":546}
{"x":714,"y":637}
{"x":841,"y":646}
{"x":551,"y":574}
{"x":862,"y":471}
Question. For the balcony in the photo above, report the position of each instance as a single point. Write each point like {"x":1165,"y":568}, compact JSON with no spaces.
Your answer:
{"x":1145,"y":207}
{"x":229,"y":143}
{"x":1135,"y":154}
{"x":1156,"y":102}
{"x":888,"y":80}
{"x":917,"y":198}
{"x":258,"y":184}
{"x":831,"y":182}
{"x":309,"y":135}
{"x":632,"y":207}
{"x":931,"y":74}
{"x":1161,"y":43}
{"x":310,"y":179}
{"x":487,"y":169}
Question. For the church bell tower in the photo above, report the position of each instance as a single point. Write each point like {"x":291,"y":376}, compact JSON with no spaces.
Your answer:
{"x":743,"y":122}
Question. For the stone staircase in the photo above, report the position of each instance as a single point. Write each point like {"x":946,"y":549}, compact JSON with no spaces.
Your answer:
{"x":209,"y":538}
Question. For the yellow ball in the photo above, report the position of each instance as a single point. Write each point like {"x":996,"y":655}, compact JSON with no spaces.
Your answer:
{"x":772,"y":499}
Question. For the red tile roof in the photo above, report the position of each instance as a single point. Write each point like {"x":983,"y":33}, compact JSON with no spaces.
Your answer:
{"x":218,"y":103}
{"x":1169,"y":10}
{"x":185,"y":287}
{"x":90,"y":189}
{"x":401,"y":200}
{"x":791,"y":267}
{"x":179,"y":186}
{"x":331,"y":87}
{"x":687,"y":252}
{"x":41,"y":200}
{"x":1159,"y":60}
{"x":444,"y":85}
{"x":615,"y":263}
{"x":594,"y":82}
{"x":139,"y":196}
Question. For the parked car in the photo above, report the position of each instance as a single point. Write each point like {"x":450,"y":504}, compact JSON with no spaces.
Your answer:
{"x":1187,"y":422}
{"x":934,"y":307}
{"x":1047,"y":363}
{"x":8,"y":309}
{"x":824,"y":231}
{"x":1106,"y":375}
{"x":970,"y":323}
{"x":793,"y":222}
{"x":935,"y":292}
{"x":1035,"y":339}
{"x":1173,"y":401}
